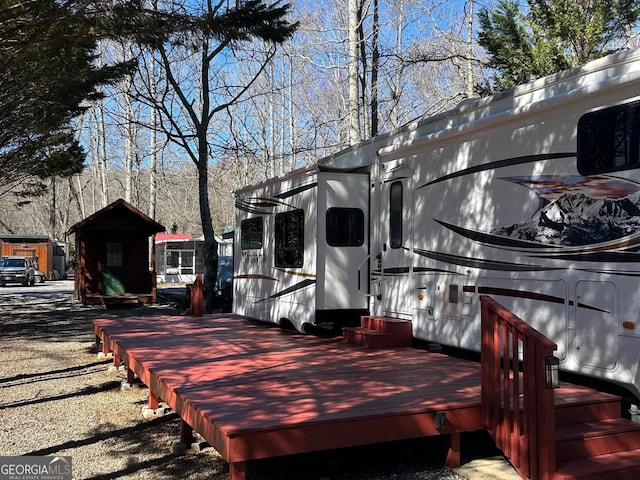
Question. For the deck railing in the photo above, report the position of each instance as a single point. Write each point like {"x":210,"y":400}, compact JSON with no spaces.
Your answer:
{"x":517,"y":408}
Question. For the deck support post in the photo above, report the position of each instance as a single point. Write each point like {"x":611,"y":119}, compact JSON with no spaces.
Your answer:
{"x":186,"y":433}
{"x":453,"y":450}
{"x":153,"y":400}
{"x":105,"y":347}
{"x":237,"y":471}
{"x":116,"y":359}
{"x":154,"y":410}
{"x":131,"y":376}
{"x":196,"y":299}
{"x":186,"y":444}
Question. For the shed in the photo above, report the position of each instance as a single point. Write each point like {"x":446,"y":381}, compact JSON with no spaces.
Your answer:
{"x":114,"y":261}
{"x":39,"y":247}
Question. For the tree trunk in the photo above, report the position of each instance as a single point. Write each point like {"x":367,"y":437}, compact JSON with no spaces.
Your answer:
{"x":129,"y":141}
{"x":375,"y":65}
{"x":153,"y":167}
{"x":210,"y":244}
{"x":101,"y":151}
{"x":292,"y":125}
{"x":52,"y":209}
{"x":202,"y":164}
{"x":362,"y":74}
{"x":352,"y":75}
{"x":153,"y":141}
{"x":469,"y":69}
{"x":396,"y":82}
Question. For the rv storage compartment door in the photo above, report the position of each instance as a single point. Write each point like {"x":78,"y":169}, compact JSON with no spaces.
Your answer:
{"x":596,"y":324}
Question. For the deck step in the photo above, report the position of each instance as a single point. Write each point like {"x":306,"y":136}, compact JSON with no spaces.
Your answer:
{"x":368,"y":338}
{"x":593,"y":441}
{"x":586,"y":410}
{"x":613,"y":466}
{"x":596,"y":438}
{"x":387,"y":324}
{"x":120,"y":300}
{"x":379,"y":332}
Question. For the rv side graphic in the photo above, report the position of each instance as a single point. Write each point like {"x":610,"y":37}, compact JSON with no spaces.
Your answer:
{"x":531,"y":196}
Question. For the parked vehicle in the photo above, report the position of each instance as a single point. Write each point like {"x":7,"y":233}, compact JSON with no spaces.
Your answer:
{"x":39,"y":276}
{"x":224,"y":284}
{"x":15,"y":269}
{"x":531,"y":196}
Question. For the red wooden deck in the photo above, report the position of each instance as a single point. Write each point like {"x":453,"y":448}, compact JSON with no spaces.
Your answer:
{"x":255,"y":391}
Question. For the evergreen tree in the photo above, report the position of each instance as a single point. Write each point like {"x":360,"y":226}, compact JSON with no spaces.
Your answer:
{"x":47,"y":73}
{"x":551,"y":35}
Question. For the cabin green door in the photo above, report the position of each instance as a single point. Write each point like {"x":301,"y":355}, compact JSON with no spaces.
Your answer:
{"x":114,"y":273}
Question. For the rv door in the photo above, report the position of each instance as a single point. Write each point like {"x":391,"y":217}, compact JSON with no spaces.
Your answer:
{"x":396,"y":241}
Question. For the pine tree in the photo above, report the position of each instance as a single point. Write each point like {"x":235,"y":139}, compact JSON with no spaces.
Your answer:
{"x":46,"y":72}
{"x":551,"y":35}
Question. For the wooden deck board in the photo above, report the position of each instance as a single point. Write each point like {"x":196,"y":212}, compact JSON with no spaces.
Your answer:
{"x":255,"y":391}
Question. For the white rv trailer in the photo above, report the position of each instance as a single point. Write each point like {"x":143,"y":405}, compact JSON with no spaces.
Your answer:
{"x":531,"y":196}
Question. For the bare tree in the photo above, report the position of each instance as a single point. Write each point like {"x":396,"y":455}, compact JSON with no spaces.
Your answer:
{"x":194,"y":97}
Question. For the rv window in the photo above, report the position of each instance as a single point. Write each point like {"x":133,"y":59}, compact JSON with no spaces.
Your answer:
{"x":609,"y":140}
{"x":345,"y":227}
{"x":289,"y":238}
{"x":251,"y":234}
{"x":395,"y":215}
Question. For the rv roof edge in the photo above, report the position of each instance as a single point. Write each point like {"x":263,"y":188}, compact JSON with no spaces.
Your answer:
{"x":349,"y":157}
{"x":308,"y":170}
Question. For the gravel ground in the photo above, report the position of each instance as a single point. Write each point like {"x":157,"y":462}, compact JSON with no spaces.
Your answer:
{"x":58,"y":398}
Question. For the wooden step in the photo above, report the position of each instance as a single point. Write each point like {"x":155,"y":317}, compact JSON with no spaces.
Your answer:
{"x":593,"y":408}
{"x":120,"y":300}
{"x":593,"y":442}
{"x":379,"y":332}
{"x":613,"y":466}
{"x":368,"y":338}
{"x":387,"y":325}
{"x":352,"y":335}
{"x":596,"y":438}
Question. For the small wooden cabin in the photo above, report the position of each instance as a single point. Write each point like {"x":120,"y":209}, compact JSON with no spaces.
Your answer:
{"x":39,"y":247}
{"x":114,"y":264}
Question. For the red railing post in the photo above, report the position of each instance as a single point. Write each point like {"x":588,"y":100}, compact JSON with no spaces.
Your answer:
{"x":517,"y":408}
{"x":196,"y":297}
